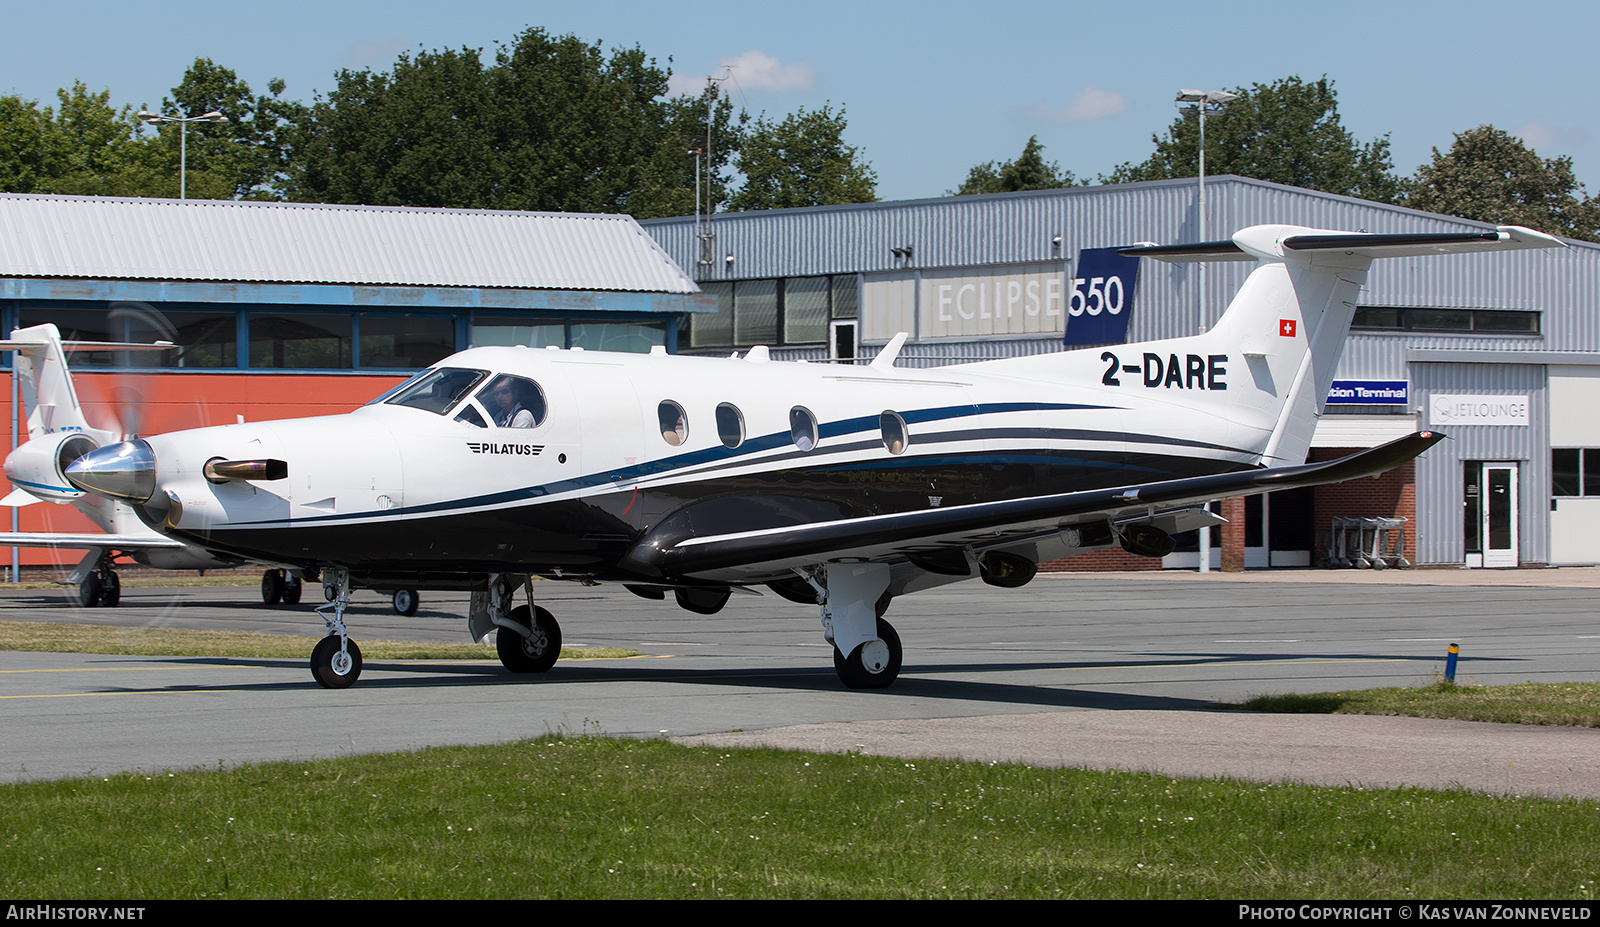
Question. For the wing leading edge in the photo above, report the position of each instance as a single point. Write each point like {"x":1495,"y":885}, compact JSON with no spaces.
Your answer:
{"x":755,"y":553}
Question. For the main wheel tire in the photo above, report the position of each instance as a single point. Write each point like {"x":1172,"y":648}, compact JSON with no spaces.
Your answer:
{"x":333,"y":669}
{"x":291,"y":590}
{"x":853,"y":670}
{"x":535,"y":653}
{"x":405,"y":602}
{"x":271,"y":587}
{"x":111,"y":590}
{"x":89,"y":591}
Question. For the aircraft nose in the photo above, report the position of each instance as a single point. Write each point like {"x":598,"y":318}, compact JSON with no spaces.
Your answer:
{"x":125,"y":471}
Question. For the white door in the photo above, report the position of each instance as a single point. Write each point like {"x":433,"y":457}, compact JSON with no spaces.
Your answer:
{"x":1491,"y":496}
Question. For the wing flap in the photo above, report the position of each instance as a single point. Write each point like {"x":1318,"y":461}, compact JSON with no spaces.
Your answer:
{"x":986,"y":524}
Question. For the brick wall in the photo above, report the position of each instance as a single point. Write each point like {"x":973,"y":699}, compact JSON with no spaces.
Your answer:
{"x":1387,"y":495}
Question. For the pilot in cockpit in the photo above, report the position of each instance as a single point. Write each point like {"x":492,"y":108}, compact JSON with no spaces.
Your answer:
{"x":510,"y":407}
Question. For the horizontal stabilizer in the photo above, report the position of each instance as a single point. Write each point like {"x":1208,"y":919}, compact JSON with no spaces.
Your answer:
{"x":1262,"y":243}
{"x":20,"y":497}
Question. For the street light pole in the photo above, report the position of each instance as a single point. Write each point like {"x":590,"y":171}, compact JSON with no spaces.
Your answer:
{"x":1203,"y":102}
{"x":150,"y":118}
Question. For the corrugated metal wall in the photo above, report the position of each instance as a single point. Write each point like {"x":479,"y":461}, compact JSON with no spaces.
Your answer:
{"x":1439,"y":475}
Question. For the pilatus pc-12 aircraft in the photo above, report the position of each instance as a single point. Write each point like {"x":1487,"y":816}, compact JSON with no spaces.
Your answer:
{"x":840,"y":487}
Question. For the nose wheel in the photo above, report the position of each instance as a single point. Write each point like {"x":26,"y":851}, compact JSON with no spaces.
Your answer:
{"x":336,"y":662}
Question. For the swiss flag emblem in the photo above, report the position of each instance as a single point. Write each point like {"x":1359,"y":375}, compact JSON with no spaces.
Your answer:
{"x":1286,"y":327}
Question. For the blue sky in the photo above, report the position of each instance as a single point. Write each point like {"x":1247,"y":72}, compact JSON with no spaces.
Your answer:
{"x":931,"y":88}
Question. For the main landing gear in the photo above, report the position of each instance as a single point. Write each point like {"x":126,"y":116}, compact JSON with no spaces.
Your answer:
{"x":280,"y":586}
{"x":100,"y":585}
{"x":866,"y":649}
{"x":527,"y":637}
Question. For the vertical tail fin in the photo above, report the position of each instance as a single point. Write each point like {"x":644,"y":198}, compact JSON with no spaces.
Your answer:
{"x":1292,"y":315}
{"x":44,"y":381}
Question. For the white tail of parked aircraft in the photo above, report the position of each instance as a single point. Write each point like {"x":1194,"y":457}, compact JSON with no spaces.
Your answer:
{"x":59,"y":433}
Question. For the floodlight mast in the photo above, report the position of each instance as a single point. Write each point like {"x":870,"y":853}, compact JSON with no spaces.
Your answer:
{"x":1203,"y":102}
{"x":150,"y":118}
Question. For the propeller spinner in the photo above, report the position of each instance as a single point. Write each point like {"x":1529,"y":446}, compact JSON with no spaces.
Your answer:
{"x":125,"y":471}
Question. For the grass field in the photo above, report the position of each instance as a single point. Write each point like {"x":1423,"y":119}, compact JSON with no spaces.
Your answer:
{"x":1569,"y":704}
{"x":602,"y":818}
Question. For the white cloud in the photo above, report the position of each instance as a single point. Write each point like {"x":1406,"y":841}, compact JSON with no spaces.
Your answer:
{"x":1538,"y":136}
{"x":362,"y":55}
{"x":1090,"y":103}
{"x":753,"y":70}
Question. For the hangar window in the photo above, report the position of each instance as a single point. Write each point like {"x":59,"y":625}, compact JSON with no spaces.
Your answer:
{"x":1416,"y":319}
{"x":730,"y":424}
{"x":300,"y":340}
{"x":778,"y":311}
{"x":802,"y":428}
{"x":629,"y":337}
{"x":203,"y":340}
{"x":674,"y":424}
{"x":405,"y":342}
{"x":1575,"y":471}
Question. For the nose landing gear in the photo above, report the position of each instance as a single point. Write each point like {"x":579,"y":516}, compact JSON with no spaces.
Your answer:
{"x":336,"y":660}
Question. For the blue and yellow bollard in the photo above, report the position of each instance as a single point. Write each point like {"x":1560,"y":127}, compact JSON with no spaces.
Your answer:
{"x":1450,"y":664}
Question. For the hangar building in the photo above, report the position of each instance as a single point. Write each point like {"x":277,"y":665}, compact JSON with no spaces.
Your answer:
{"x":282,"y":310}
{"x":1499,"y":351}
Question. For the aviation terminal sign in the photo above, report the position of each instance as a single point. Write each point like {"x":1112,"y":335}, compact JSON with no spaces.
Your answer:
{"x":1100,"y":301}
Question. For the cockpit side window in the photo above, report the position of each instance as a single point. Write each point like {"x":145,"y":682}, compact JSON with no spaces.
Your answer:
{"x":513,"y":402}
{"x":436,"y":390}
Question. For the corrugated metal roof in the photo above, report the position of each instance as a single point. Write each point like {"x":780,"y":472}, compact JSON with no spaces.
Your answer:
{"x":148,"y":239}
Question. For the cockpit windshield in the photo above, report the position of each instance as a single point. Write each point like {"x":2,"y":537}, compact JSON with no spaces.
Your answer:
{"x":437,"y":390}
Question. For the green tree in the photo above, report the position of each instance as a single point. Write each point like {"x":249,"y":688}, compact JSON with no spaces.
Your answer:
{"x":1029,"y":171}
{"x":801,"y":161}
{"x":1286,"y":132}
{"x":84,"y":146}
{"x":32,"y":152}
{"x":552,"y":124}
{"x":1491,"y":176}
{"x":248,"y":157}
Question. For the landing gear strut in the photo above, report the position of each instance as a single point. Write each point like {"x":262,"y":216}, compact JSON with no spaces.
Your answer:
{"x":336,"y":661}
{"x":866,"y":649}
{"x":527,"y":637}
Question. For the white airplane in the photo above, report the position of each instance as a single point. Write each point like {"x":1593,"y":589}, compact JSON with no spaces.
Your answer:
{"x":58,"y":431}
{"x":838,"y":487}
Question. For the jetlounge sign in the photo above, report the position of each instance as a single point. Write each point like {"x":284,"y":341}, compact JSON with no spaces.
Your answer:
{"x":1446,"y":409}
